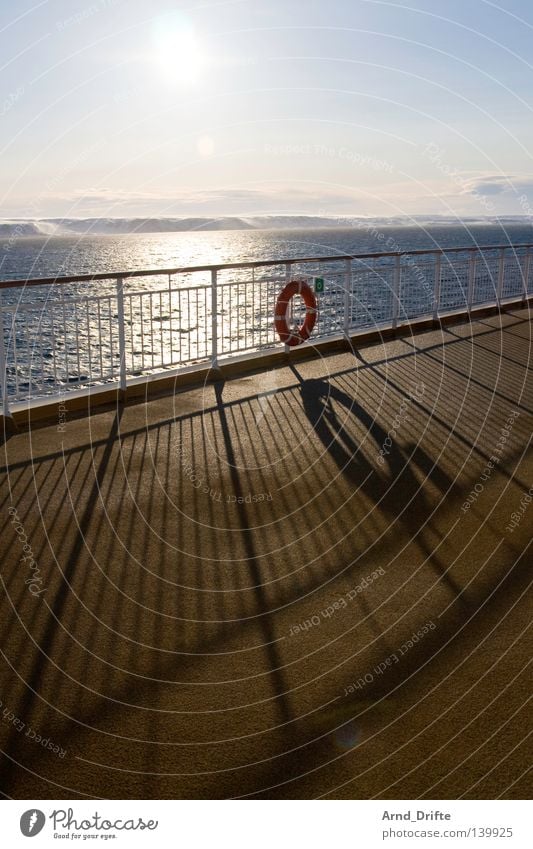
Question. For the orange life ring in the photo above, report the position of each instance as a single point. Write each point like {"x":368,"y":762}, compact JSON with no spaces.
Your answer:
{"x":300,"y":334}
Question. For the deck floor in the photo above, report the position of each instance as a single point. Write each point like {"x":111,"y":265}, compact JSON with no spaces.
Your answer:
{"x":230,"y":578}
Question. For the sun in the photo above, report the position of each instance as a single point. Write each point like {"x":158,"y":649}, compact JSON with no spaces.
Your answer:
{"x":178,"y":53}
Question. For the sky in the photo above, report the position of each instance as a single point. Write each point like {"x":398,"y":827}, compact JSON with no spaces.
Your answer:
{"x":122,"y":108}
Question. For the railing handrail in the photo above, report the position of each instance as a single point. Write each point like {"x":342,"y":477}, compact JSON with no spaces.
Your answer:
{"x":190,"y":269}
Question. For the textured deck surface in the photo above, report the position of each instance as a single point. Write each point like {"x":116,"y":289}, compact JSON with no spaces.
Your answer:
{"x":230,"y":578}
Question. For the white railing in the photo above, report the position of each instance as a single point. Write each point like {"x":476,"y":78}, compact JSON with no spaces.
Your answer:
{"x":89,"y":330}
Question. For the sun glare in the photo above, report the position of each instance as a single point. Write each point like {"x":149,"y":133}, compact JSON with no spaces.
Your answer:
{"x":178,"y":54}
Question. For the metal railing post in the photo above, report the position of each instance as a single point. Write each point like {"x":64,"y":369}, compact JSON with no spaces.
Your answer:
{"x":348,"y":298}
{"x":214,"y":318}
{"x":396,"y":291}
{"x":436,"y":291}
{"x":471,"y":278}
{"x":3,"y":365}
{"x":501,"y":269}
{"x":121,"y":334}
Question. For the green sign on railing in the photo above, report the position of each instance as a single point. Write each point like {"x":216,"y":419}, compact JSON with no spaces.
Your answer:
{"x":319,"y":284}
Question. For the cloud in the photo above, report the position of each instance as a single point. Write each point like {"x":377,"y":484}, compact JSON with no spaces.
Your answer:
{"x":123,"y":225}
{"x":481,"y":194}
{"x":261,"y":195}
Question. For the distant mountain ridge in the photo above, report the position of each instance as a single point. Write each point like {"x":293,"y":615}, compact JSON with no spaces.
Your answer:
{"x":13,"y":228}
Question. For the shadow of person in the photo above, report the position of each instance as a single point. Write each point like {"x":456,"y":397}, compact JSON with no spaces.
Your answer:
{"x":390,"y":482}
